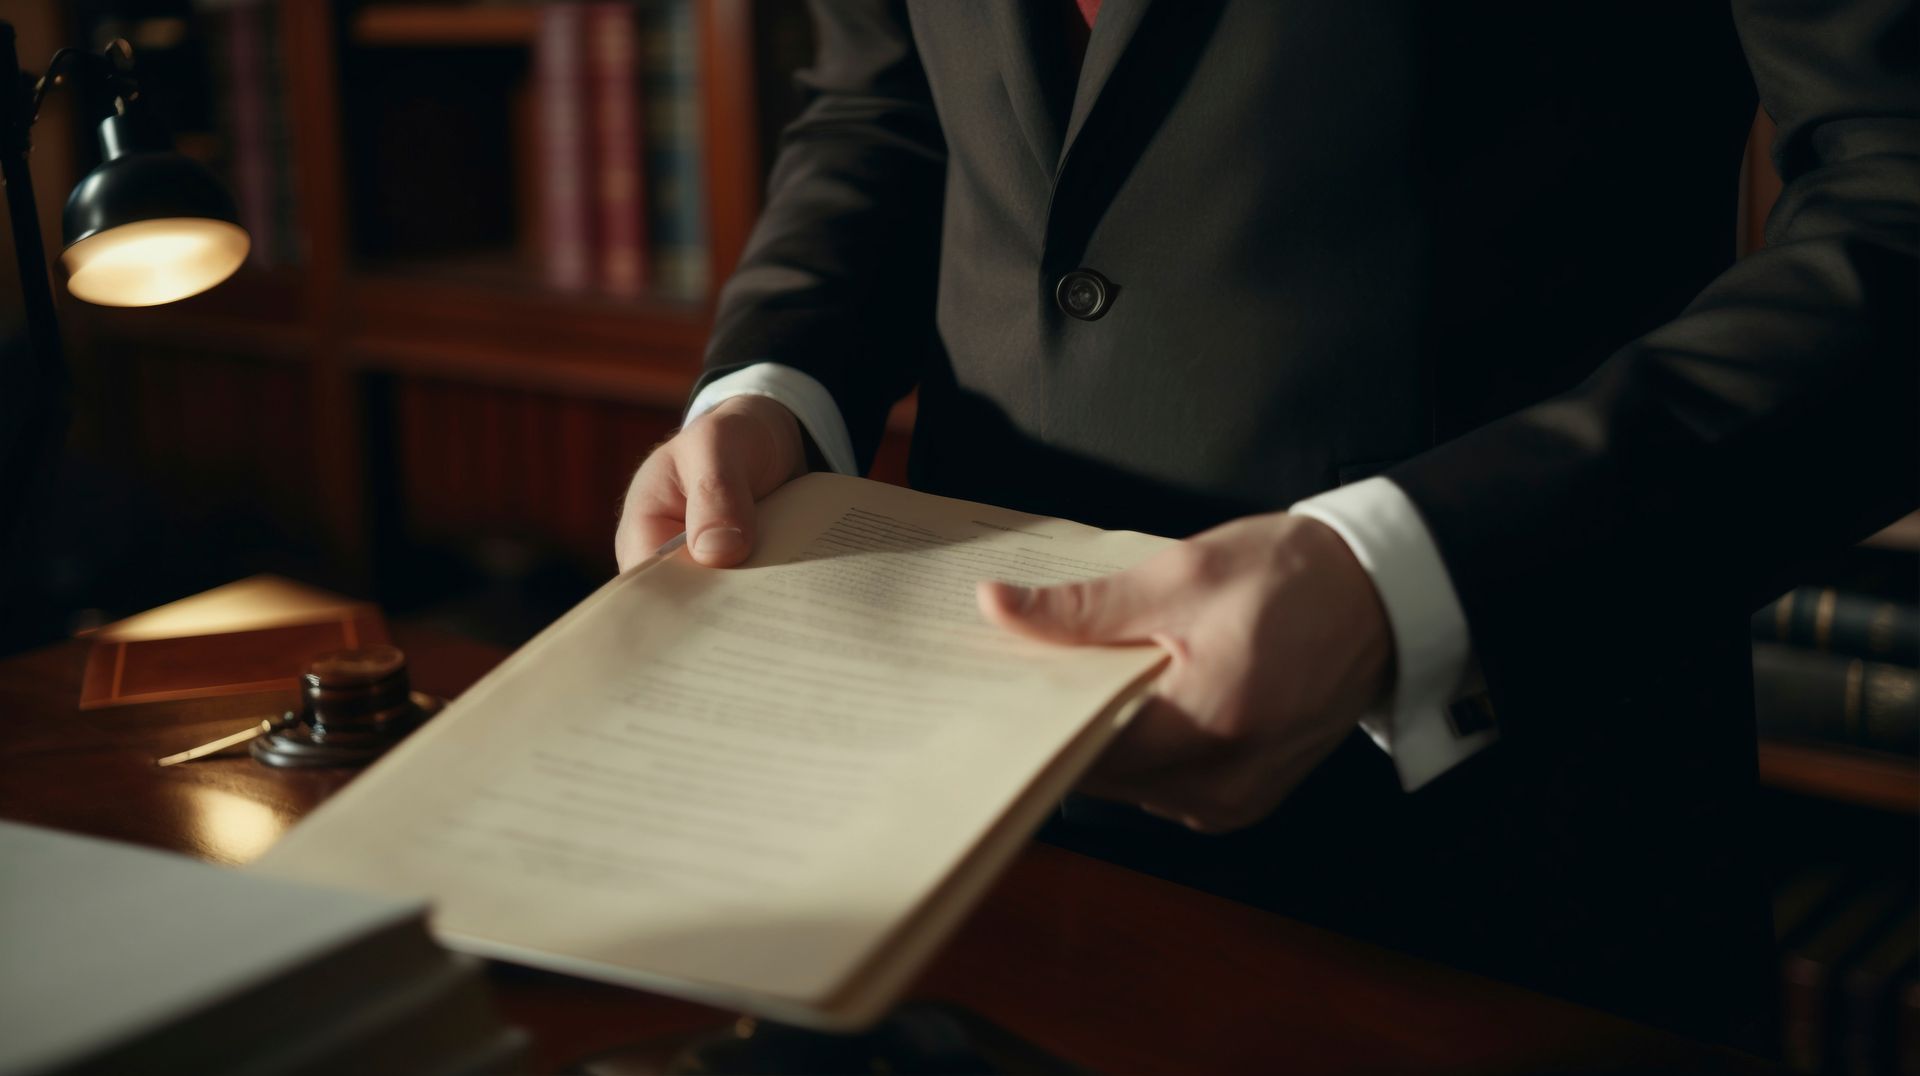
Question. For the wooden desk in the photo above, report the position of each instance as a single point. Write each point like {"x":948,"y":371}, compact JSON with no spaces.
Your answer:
{"x":1110,"y":969}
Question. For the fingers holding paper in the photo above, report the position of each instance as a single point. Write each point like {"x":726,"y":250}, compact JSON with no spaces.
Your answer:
{"x":707,"y":479}
{"x":1278,"y":641}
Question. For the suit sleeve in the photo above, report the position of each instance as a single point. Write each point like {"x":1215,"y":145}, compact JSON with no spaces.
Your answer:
{"x":837,"y":280}
{"x":1771,"y":421}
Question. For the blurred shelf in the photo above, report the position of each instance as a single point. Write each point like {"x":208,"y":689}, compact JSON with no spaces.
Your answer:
{"x":1866,"y":779}
{"x":501,"y":271}
{"x":445,"y":25}
{"x":259,"y":312}
{"x":508,"y":367}
{"x":489,"y":319}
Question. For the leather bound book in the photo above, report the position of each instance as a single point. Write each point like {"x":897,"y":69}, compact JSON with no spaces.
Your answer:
{"x":1813,"y":972}
{"x":1834,"y":699}
{"x":1857,"y":625}
{"x":1872,"y":989}
{"x":566,"y":208}
{"x":677,"y":230}
{"x":613,"y":62}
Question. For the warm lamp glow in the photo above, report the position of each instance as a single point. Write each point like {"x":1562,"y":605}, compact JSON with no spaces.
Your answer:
{"x":150,"y":262}
{"x":230,"y":828}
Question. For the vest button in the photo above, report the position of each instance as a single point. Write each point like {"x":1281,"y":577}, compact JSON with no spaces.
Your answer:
{"x":1083,"y":294}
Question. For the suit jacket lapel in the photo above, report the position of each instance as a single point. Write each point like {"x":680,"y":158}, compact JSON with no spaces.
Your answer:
{"x":1031,"y":59}
{"x":1113,"y":32}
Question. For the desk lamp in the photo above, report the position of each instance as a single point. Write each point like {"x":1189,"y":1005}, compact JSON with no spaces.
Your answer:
{"x":148,"y":226}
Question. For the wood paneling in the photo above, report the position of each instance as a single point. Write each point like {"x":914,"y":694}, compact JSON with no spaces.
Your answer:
{"x":223,"y":438}
{"x":481,"y":461}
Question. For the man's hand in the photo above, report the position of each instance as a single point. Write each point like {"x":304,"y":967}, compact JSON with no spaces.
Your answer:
{"x":706,"y":479}
{"x":1279,"y":644}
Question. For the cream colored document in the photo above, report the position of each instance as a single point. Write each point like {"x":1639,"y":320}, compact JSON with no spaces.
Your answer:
{"x":773,"y":787}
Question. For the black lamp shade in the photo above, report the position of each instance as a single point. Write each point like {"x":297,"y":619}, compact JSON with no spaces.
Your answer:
{"x":148,"y":226}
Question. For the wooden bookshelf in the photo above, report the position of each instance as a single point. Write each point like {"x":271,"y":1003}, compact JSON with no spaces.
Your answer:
{"x":339,"y":330}
{"x":472,"y":309}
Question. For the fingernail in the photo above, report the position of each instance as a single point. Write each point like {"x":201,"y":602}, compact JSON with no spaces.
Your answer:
{"x":717,"y":542}
{"x":1018,"y":598}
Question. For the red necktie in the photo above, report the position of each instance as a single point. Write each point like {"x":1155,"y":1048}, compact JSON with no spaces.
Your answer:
{"x":1079,"y":17}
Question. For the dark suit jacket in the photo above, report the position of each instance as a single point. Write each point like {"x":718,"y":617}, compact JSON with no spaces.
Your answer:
{"x":1488,"y":252}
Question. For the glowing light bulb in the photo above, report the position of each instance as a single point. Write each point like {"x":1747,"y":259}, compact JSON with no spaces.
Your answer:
{"x":150,"y":262}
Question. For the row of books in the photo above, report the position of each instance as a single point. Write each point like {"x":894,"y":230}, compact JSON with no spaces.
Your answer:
{"x":1835,"y":667}
{"x":242,"y":39}
{"x":1849,"y":944}
{"x":621,"y":206}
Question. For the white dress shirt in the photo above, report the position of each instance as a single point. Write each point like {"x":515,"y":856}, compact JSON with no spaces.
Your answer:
{"x":1375,"y":518}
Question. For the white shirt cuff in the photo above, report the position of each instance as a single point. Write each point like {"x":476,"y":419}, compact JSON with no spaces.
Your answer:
{"x":807,"y":398}
{"x":1432,"y":649}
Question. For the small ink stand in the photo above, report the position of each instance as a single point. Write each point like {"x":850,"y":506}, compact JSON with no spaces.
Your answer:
{"x":357,"y":704}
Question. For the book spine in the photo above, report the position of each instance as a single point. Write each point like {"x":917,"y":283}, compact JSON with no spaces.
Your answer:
{"x":246,"y":30}
{"x":1822,"y":618}
{"x":288,"y":241}
{"x":673,"y":126}
{"x":1807,"y":695}
{"x":1872,"y":989}
{"x":1812,"y":974}
{"x":565,"y":211}
{"x":613,"y":60}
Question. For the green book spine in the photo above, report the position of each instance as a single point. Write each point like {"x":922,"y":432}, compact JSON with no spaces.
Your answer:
{"x":1828,"y":698}
{"x":1834,"y":621}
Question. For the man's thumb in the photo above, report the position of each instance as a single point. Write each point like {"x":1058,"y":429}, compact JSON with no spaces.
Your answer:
{"x":1111,"y":609}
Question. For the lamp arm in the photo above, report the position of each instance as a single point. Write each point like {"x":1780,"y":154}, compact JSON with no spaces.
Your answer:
{"x":52,"y":78}
{"x":17,"y":109}
{"x":33,"y":395}
{"x":113,"y":64}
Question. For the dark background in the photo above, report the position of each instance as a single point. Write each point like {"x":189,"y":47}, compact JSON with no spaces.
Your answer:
{"x":393,"y":403}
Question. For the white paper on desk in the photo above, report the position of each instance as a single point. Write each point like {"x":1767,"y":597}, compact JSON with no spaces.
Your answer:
{"x":740,"y":785}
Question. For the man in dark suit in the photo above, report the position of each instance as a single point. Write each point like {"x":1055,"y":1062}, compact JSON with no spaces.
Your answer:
{"x":1454,"y":286}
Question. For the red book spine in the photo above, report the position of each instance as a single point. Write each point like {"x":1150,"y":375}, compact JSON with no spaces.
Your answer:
{"x":565,"y":208}
{"x":613,"y":59}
